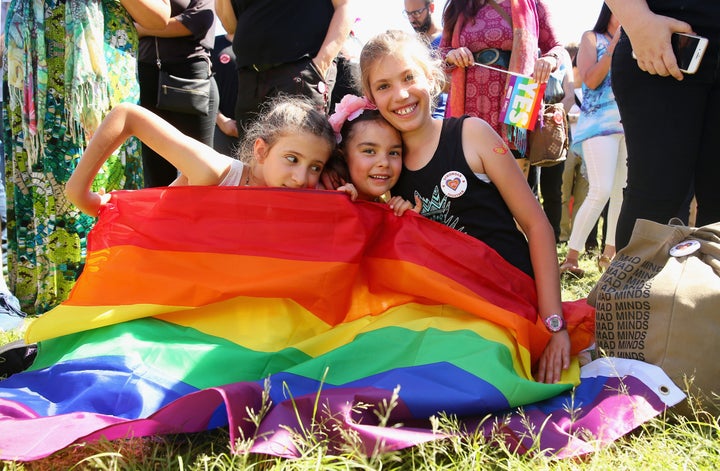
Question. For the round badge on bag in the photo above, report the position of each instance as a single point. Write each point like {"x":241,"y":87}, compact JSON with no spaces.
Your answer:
{"x":684,"y":248}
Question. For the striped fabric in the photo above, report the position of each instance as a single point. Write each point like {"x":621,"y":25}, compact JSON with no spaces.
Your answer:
{"x":195,"y":300}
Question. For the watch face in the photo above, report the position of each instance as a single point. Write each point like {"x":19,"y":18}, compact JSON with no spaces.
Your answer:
{"x":554,"y":323}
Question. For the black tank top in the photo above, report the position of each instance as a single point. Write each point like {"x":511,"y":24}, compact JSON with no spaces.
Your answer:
{"x":453,"y":195}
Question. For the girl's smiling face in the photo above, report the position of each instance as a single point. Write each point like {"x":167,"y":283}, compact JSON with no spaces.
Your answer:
{"x":373,"y":154}
{"x":401,"y":91}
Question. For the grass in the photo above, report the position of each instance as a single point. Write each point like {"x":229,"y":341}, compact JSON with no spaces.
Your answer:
{"x":672,"y":441}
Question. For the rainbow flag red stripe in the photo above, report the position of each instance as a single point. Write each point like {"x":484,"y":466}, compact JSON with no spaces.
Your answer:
{"x":193,"y":300}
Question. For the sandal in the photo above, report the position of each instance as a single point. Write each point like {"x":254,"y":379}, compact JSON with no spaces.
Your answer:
{"x":603,"y":262}
{"x":570,"y":267}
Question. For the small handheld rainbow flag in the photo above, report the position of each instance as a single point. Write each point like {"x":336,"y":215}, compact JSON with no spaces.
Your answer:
{"x":523,"y":98}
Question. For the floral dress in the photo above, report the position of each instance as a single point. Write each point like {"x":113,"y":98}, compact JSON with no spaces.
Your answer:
{"x":485,"y":88}
{"x":68,"y":63}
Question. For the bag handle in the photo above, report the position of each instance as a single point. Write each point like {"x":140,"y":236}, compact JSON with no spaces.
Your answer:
{"x":157,"y":54}
{"x":501,"y":12}
{"x":159,"y":64}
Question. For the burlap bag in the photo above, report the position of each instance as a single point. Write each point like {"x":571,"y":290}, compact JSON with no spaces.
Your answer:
{"x":659,"y":301}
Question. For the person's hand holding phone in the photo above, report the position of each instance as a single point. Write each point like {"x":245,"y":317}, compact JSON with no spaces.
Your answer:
{"x":689,"y":50}
{"x":650,"y":36}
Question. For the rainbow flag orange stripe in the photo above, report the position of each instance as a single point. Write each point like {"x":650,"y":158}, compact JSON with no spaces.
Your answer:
{"x":195,"y":299}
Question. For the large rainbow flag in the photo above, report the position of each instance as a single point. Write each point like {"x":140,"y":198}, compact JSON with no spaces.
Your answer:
{"x":198,"y":306}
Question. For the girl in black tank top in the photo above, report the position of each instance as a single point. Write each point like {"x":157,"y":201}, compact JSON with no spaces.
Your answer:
{"x":474,"y":206}
{"x":466,"y":176}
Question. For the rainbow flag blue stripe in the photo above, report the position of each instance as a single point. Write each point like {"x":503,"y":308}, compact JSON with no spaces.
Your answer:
{"x":195,"y":300}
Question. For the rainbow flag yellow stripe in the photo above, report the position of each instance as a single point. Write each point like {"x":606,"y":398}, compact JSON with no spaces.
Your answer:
{"x":192,"y":292}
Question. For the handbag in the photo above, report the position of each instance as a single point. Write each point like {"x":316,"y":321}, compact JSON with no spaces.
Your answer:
{"x":658,"y":302}
{"x":548,"y":144}
{"x":182,"y":95}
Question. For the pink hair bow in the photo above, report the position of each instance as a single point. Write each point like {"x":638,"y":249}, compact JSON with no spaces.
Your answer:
{"x":349,"y":108}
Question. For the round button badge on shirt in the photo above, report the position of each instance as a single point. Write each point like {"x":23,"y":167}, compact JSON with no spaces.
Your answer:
{"x":453,"y":184}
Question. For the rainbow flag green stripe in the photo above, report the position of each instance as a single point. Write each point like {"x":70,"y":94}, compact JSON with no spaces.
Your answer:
{"x":192,"y":299}
{"x":190,"y":356}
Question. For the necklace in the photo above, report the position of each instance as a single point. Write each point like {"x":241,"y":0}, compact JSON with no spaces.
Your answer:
{"x":247,"y":178}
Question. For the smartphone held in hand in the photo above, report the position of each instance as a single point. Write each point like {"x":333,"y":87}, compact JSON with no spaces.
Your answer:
{"x":689,"y":50}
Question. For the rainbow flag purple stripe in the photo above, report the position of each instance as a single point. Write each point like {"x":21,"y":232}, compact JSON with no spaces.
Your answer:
{"x":194,"y":301}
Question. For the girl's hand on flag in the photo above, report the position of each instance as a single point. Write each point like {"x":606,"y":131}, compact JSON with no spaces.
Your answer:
{"x":400,"y":205}
{"x":350,"y":190}
{"x":555,"y":358}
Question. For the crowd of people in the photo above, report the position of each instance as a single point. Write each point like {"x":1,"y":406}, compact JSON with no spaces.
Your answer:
{"x":421,"y":130}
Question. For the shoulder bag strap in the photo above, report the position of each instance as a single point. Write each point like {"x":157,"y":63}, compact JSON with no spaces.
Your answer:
{"x":500,"y":11}
{"x":159,"y":64}
{"x":157,"y":54}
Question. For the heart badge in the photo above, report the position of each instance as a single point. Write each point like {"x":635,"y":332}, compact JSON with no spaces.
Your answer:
{"x":453,"y":184}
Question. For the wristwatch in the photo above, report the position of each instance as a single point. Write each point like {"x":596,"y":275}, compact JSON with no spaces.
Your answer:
{"x":555,"y":323}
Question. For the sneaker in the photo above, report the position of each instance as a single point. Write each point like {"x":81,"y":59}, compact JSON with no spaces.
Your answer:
{"x":11,"y":316}
{"x":16,"y":357}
